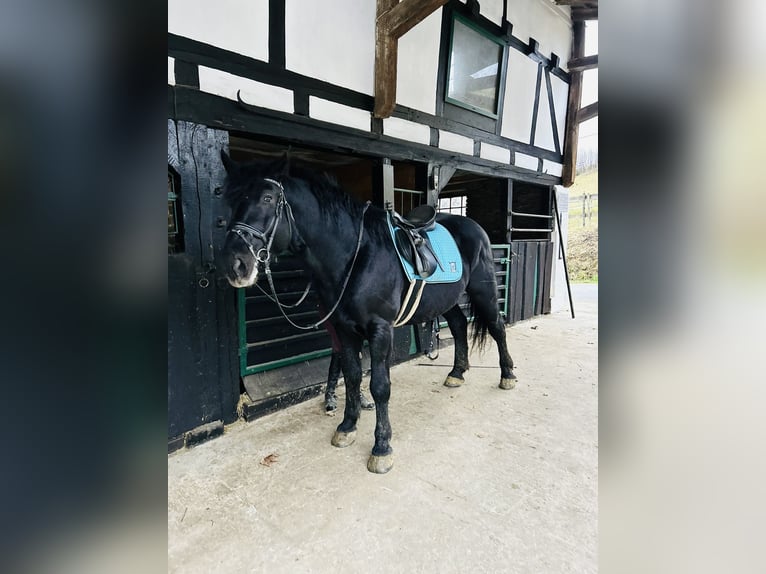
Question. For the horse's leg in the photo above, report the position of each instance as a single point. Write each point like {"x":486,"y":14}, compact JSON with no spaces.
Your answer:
{"x":352,"y":375}
{"x":486,"y":308}
{"x":458,"y":325}
{"x":381,"y":342}
{"x":330,"y":399}
{"x":367,"y":404}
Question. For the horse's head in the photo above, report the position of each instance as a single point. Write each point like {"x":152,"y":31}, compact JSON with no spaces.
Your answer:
{"x":260,"y":224}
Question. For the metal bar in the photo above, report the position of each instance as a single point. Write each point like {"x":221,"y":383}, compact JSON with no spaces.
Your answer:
{"x":402,"y":190}
{"x":285,"y":362}
{"x":288,"y":338}
{"x":241,"y":306}
{"x":563,"y":254}
{"x":531,"y":215}
{"x":532,"y":230}
{"x":505,"y":260}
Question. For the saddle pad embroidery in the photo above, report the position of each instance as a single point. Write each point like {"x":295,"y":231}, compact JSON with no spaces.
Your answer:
{"x":446,"y":251}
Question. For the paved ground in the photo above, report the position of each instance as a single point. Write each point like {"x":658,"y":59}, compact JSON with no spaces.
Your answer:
{"x":485,"y":480}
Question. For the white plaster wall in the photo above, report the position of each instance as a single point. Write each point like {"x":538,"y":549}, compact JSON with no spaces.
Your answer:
{"x":544,"y":132}
{"x":454,"y":142}
{"x":543,"y":21}
{"x":495,"y":153}
{"x":492,"y":10}
{"x":255,"y":93}
{"x":332,"y":40}
{"x":171,"y":71}
{"x":552,"y":168}
{"x":525,"y":161}
{"x":241,"y":26}
{"x":418,"y":65}
{"x":519,"y":97}
{"x":332,"y":112}
{"x":406,"y":130}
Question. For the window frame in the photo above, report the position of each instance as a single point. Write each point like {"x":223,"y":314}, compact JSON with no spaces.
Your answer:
{"x":501,"y":67}
{"x":450,"y":209}
{"x":455,"y":112}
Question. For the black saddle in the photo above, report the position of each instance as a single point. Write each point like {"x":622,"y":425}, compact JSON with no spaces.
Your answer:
{"x":411,"y":239}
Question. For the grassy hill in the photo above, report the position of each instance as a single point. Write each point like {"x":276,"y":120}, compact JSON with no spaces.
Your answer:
{"x":582,"y":244}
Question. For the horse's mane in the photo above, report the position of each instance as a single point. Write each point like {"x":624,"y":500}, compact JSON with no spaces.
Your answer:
{"x":327,"y":191}
{"x":332,"y":199}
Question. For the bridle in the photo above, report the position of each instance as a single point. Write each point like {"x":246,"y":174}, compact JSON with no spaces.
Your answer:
{"x":267,"y":235}
{"x":263,"y":255}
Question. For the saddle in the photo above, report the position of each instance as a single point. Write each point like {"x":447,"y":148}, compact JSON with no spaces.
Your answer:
{"x":411,"y":239}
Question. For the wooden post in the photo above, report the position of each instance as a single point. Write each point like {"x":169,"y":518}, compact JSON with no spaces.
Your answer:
{"x":393,"y":20}
{"x":385,"y":63}
{"x":575,"y":99}
{"x":382,"y":182}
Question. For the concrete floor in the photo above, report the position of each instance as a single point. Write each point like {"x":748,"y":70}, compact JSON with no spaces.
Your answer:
{"x":484,"y":480}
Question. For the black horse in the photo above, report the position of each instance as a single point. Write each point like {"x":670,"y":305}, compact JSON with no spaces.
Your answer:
{"x":347,"y":247}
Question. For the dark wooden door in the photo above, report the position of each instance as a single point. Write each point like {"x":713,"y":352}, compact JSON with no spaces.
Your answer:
{"x":203,"y":378}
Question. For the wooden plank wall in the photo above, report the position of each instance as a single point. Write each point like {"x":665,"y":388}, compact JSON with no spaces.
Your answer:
{"x":530,"y":281}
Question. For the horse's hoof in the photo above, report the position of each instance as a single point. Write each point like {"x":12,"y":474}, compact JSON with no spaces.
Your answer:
{"x":453,"y":382}
{"x":330,"y":407}
{"x":380,"y":464}
{"x":343,"y":439}
{"x":507,"y":383}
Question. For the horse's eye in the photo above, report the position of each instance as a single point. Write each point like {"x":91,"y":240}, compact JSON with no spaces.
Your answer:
{"x":267,"y":198}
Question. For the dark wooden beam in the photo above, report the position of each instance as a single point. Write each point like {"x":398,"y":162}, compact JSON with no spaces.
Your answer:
{"x":406,"y":14}
{"x":277,"y":33}
{"x":536,"y":107}
{"x":582,"y":64}
{"x":582,"y":14}
{"x":393,"y":20}
{"x":552,"y":110}
{"x":385,"y":65}
{"x":575,"y":97}
{"x":190,"y":104}
{"x":200,"y":54}
{"x":588,"y":112}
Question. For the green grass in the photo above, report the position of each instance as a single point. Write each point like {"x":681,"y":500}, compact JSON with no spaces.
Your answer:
{"x":582,"y":245}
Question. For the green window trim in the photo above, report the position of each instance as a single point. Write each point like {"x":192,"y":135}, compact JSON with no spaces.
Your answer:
{"x":500,"y":67}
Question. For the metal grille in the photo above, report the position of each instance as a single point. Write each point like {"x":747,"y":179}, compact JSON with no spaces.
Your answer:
{"x":175,"y":236}
{"x":405,"y":200}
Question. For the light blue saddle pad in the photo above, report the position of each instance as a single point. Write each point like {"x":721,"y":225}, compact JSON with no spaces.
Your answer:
{"x":445,"y":248}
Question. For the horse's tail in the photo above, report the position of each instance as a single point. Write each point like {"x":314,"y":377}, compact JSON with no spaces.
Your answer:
{"x":480,"y":327}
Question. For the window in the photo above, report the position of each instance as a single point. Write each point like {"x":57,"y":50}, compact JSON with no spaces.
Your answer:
{"x":455,"y":205}
{"x":175,"y":227}
{"x":474,"y":68}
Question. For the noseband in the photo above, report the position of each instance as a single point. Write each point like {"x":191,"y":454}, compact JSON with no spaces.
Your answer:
{"x":263,"y":255}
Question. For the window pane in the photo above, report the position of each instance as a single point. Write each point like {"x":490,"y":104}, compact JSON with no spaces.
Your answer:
{"x":443,"y":202}
{"x":474,"y":67}
{"x":455,"y":202}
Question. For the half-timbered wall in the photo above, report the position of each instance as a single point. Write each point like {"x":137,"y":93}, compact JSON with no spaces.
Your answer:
{"x":333,"y":42}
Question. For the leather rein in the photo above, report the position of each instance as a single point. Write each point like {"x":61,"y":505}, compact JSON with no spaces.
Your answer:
{"x":263,"y":255}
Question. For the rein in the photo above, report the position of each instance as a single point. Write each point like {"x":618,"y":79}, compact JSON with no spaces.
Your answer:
{"x":282,"y":204}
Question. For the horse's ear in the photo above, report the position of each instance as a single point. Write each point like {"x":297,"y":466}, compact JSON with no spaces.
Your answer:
{"x":229,"y":164}
{"x":281,"y":167}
